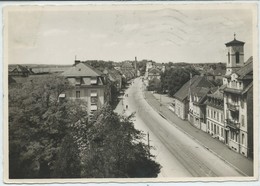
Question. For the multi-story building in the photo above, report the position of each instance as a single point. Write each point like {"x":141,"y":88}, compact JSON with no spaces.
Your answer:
{"x":88,"y":85}
{"x":215,"y":114}
{"x":181,"y":97}
{"x":197,"y":114}
{"x":238,"y":100}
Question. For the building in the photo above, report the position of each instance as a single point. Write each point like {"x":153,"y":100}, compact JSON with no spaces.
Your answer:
{"x":115,"y":76}
{"x":154,"y":73}
{"x":19,"y":71}
{"x":215,"y":114}
{"x":88,"y":85}
{"x":197,"y":107}
{"x":181,"y":97}
{"x":238,"y":99}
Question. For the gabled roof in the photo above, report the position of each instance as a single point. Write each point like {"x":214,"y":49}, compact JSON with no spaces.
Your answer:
{"x":154,"y":70}
{"x":218,"y":94}
{"x":235,"y":43}
{"x":18,"y":68}
{"x":81,"y":70}
{"x":196,"y":81}
{"x":246,"y":72}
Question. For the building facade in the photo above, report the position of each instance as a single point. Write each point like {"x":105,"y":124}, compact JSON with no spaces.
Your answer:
{"x":215,"y":115}
{"x":88,"y":85}
{"x":197,"y":114}
{"x":238,"y":100}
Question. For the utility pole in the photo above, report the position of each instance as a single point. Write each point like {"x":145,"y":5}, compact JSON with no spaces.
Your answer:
{"x":148,"y":138}
{"x":160,"y":102}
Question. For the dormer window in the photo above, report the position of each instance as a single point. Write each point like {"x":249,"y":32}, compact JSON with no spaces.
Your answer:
{"x":78,"y":81}
{"x":93,"y":81}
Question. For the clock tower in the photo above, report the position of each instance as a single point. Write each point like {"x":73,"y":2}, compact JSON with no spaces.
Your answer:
{"x":235,"y":55}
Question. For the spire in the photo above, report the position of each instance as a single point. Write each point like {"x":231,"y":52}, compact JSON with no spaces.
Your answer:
{"x":234,"y":35}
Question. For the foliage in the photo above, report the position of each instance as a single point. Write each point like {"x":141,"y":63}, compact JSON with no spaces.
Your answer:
{"x":174,"y":78}
{"x":53,"y":138}
{"x":116,"y":148}
{"x":154,"y":85}
{"x":100,"y":64}
{"x":38,"y":123}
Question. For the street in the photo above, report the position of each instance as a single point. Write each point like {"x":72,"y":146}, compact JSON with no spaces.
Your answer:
{"x":179,"y":155}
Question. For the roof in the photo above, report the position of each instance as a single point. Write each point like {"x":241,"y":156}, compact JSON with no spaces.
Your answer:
{"x":127,"y":65}
{"x":200,"y":92}
{"x":81,"y":69}
{"x":218,"y":94}
{"x":154,"y":71}
{"x":235,"y":43}
{"x":246,"y":72}
{"x":196,"y":81}
{"x":113,"y":74}
{"x":18,"y":68}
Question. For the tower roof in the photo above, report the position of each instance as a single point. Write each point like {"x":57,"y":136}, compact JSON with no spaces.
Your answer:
{"x":235,"y":43}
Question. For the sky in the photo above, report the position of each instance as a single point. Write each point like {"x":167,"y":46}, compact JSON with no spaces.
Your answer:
{"x":47,"y":35}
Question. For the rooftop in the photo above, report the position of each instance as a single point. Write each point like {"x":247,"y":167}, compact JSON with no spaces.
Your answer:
{"x":81,"y":70}
{"x":235,"y":43}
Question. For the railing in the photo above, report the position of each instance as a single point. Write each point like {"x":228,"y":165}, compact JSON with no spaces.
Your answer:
{"x":232,"y":124}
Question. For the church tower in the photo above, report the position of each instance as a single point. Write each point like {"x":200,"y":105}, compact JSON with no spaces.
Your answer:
{"x":235,"y":55}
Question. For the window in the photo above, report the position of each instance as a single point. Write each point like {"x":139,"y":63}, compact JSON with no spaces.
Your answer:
{"x":78,"y":81}
{"x":208,"y":125}
{"x":77,"y":94}
{"x":93,"y":93}
{"x":228,"y":57}
{"x":243,"y":120}
{"x":232,"y":135}
{"x":243,"y":139}
{"x":211,"y":127}
{"x":93,"y":80}
{"x":237,"y":57}
{"x":214,"y":115}
{"x":208,"y":112}
{"x":218,"y":130}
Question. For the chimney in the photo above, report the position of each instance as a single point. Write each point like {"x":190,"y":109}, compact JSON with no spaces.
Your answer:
{"x":76,"y":62}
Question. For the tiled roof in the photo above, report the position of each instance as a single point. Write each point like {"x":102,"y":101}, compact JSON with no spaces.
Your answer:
{"x":218,"y":93}
{"x":235,"y":43}
{"x":196,"y":81}
{"x":200,"y":92}
{"x":247,"y":70}
{"x":81,"y":70}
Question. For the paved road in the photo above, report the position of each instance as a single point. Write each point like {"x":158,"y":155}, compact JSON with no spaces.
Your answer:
{"x":185,"y":156}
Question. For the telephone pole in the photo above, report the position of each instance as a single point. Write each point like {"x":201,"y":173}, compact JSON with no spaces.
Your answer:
{"x":148,"y":138}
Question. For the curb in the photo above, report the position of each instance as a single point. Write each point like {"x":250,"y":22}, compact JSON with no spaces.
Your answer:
{"x":210,"y":150}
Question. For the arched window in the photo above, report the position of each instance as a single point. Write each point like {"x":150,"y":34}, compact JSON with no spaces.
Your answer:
{"x":228,"y":57}
{"x":237,"y":57}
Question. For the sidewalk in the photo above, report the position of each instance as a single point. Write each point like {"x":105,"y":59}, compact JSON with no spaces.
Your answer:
{"x":239,"y":162}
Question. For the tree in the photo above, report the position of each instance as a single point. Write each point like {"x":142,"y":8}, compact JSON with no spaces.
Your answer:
{"x":53,"y":138}
{"x":38,"y":123}
{"x":154,"y":85}
{"x":116,"y":148}
{"x":174,"y":78}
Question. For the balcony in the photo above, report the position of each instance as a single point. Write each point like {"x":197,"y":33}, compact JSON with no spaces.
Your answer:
{"x":233,"y":107}
{"x":232,"y":124}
